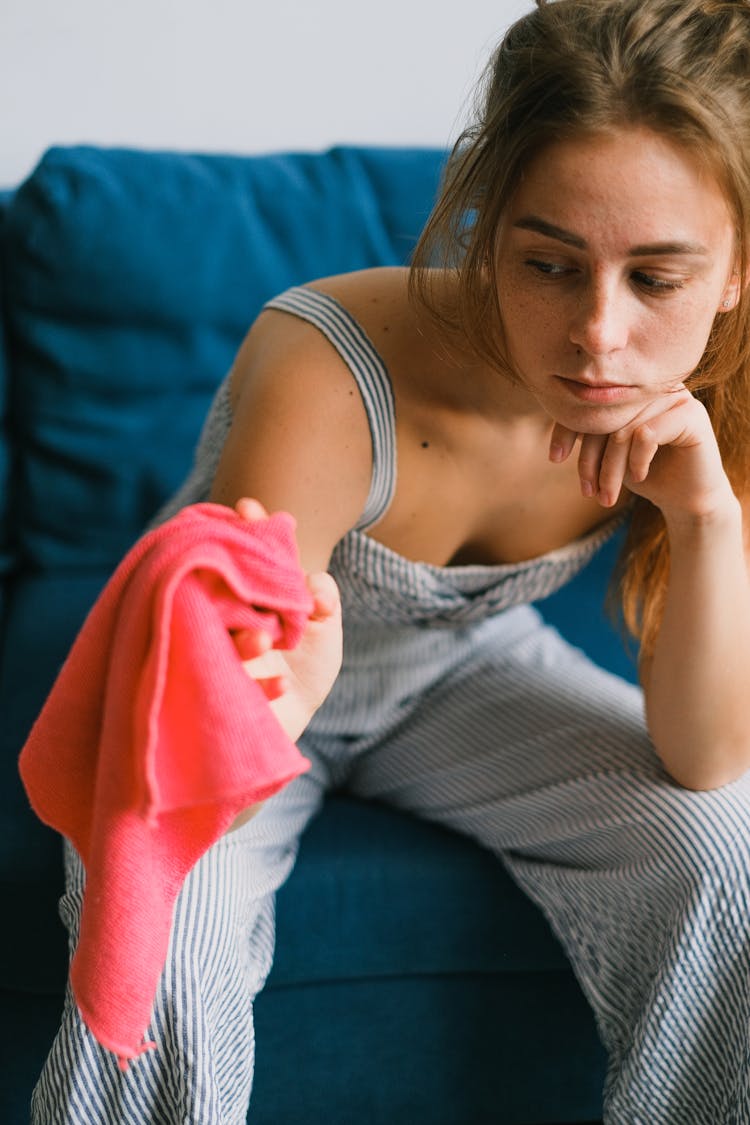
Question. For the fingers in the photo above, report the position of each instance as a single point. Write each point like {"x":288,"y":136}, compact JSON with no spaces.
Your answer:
{"x":643,"y":448}
{"x":561,"y":442}
{"x":251,"y":643}
{"x":273,"y":687}
{"x":325,"y":595}
{"x":613,"y":468}
{"x":255,"y":650}
{"x":602,"y":461}
{"x":609,"y":462}
{"x":589,"y":462}
{"x":269,"y":672}
{"x":250,"y":509}
{"x":626,"y":457}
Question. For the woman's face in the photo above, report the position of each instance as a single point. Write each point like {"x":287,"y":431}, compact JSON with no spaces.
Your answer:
{"x":615,"y":256}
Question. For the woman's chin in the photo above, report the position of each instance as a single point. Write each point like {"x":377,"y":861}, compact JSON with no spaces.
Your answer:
{"x":598,"y":419}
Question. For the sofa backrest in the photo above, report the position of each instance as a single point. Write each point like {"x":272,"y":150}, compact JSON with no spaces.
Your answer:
{"x":131,"y":278}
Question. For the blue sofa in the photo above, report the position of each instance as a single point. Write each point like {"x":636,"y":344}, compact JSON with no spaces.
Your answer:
{"x":413,"y":982}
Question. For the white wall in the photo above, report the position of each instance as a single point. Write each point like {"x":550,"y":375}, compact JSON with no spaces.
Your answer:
{"x":238,"y":75}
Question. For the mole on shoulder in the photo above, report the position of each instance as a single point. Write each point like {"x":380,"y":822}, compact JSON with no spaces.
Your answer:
{"x":425,"y":445}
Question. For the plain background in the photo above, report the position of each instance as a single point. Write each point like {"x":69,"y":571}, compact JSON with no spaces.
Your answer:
{"x":240,"y":76}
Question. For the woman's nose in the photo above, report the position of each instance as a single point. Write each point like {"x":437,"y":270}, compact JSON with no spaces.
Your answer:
{"x":600,"y":324}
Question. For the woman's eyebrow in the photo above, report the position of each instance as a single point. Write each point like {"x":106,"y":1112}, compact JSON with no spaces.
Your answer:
{"x":549,"y":230}
{"x":541,"y":226}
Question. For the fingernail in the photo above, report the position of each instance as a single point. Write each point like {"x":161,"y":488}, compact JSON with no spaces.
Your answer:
{"x":556,"y":453}
{"x":587,"y":488}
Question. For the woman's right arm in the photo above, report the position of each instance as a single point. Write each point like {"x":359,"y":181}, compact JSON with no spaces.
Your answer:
{"x":299,"y":440}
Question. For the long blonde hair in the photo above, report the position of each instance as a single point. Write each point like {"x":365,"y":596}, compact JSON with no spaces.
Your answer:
{"x":579,"y":67}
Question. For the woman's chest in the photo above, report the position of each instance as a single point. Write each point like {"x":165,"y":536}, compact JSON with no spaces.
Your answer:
{"x":477,"y":494}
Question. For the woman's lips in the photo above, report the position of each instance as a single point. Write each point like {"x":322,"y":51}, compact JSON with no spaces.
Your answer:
{"x":600,"y":394}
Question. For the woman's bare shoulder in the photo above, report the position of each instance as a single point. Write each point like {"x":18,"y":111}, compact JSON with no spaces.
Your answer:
{"x":369,"y":294}
{"x":376,"y":298}
{"x":400,"y":329}
{"x":365,"y":286}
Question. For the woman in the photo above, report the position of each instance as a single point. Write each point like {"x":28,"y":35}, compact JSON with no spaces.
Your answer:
{"x":569,"y":352}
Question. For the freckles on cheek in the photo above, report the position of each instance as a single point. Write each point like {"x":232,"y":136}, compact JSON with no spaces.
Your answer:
{"x":683,"y":342}
{"x":540,"y":338}
{"x":528,"y":321}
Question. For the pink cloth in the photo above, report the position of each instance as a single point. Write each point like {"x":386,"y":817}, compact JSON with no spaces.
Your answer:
{"x":154,"y":738}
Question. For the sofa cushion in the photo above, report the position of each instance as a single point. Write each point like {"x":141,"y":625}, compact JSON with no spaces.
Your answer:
{"x":407,"y":897}
{"x":453,"y":1049}
{"x":131,"y":280}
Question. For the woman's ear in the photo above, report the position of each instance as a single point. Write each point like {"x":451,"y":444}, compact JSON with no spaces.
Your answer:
{"x":732,"y":293}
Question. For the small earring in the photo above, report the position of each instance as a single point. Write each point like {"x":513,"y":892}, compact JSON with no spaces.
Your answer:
{"x":726,"y":303}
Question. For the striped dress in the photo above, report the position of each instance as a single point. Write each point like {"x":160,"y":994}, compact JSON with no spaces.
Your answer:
{"x":457,"y":703}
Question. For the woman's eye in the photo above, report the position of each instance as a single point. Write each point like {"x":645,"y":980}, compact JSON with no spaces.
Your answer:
{"x":655,"y":284}
{"x":549,"y":269}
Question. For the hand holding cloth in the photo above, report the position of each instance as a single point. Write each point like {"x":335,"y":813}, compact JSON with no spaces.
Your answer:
{"x":154,"y":738}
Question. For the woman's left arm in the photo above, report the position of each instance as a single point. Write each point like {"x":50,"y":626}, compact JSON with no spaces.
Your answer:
{"x":697,"y":679}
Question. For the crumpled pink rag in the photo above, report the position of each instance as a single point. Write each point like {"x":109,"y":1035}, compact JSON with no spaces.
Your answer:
{"x":154,"y":738}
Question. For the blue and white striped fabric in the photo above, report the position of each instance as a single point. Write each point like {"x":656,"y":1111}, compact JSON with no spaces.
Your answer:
{"x":457,"y":703}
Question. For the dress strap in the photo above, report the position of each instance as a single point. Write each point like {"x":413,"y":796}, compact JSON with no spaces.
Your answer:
{"x":371,"y":376}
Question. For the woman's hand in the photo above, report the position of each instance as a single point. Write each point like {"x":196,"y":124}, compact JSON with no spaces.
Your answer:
{"x":667,"y":454}
{"x":295,"y":681}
